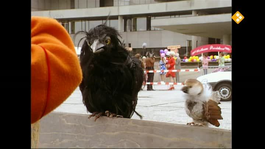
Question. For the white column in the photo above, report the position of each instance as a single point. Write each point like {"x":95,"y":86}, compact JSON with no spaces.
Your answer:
{"x":120,"y":24}
{"x":129,"y":25}
{"x":194,"y":13}
{"x":194,"y":40}
{"x":226,"y":39}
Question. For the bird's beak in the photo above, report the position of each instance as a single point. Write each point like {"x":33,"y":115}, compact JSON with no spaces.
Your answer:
{"x":97,"y":46}
{"x":185,"y":89}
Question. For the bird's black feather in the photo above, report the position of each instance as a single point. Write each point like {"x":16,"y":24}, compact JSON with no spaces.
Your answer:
{"x":112,"y":78}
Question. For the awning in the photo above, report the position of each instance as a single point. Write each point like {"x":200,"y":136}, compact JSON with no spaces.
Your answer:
{"x":211,"y":48}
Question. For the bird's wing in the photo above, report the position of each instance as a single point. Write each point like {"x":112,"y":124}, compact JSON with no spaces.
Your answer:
{"x":85,"y":58}
{"x":138,"y":75}
{"x":212,"y":112}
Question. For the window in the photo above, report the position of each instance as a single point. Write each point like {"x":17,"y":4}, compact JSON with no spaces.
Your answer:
{"x":66,"y":26}
{"x":72,"y":4}
{"x":105,"y":3}
{"x":93,"y":24}
{"x":141,"y":24}
{"x":113,"y":23}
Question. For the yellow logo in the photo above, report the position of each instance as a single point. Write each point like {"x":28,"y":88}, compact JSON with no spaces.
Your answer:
{"x":238,"y":17}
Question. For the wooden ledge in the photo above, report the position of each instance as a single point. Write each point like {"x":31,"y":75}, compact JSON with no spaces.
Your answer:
{"x":66,"y":130}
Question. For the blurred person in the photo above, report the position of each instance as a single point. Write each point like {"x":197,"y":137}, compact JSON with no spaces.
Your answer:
{"x":221,"y":60}
{"x":162,"y":65}
{"x":143,"y":60}
{"x":178,"y":67}
{"x":150,"y":61}
{"x":144,"y":49}
{"x":171,"y":66}
{"x":138,"y":55}
{"x":205,"y":63}
{"x":145,"y":74}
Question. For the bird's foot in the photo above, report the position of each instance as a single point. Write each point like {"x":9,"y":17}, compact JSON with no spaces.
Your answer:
{"x":195,"y":124}
{"x":96,"y":115}
{"x":191,"y":123}
{"x":109,"y":114}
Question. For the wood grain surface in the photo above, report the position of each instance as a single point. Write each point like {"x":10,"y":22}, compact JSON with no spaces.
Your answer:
{"x":66,"y":130}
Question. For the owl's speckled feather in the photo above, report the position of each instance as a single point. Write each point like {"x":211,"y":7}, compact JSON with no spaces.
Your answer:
{"x":199,"y":105}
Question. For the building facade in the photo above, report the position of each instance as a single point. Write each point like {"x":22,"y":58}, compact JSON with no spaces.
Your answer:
{"x":158,"y":23}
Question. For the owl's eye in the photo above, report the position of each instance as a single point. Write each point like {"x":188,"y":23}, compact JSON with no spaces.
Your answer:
{"x":107,"y":40}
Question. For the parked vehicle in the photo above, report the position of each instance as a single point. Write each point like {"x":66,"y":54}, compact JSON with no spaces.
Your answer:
{"x":220,"y":80}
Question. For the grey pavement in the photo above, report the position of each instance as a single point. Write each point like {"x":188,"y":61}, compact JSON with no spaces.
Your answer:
{"x":160,"y":105}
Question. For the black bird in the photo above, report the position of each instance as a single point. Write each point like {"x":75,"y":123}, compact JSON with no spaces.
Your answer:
{"x":111,"y":77}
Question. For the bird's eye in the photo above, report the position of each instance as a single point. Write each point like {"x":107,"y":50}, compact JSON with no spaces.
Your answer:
{"x":107,"y":41}
{"x":88,"y":43}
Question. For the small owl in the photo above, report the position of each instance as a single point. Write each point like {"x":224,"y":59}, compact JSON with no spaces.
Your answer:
{"x":200,"y":105}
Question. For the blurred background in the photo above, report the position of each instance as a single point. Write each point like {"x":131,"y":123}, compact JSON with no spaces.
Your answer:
{"x":157,"y":23}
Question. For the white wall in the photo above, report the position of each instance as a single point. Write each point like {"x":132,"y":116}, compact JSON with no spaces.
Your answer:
{"x":37,"y":5}
{"x":134,"y":9}
{"x":86,"y":3}
{"x":34,"y":5}
{"x":64,"y":4}
{"x":132,"y":2}
{"x":153,"y":39}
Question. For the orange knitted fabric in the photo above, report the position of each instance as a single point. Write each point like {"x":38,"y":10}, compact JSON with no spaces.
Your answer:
{"x":55,"y":68}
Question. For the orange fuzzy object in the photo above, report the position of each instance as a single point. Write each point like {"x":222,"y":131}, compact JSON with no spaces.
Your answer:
{"x":55,"y":68}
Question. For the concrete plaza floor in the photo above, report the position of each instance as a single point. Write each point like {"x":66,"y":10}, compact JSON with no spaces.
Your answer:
{"x":160,"y":105}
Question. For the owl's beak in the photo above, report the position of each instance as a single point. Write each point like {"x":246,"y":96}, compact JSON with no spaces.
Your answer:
{"x":97,"y":46}
{"x":184,"y":89}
